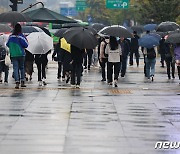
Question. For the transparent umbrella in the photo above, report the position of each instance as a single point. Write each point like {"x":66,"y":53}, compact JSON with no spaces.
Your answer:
{"x":39,"y":43}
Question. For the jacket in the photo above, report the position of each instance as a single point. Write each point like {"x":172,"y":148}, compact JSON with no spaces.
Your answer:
{"x":16,"y":44}
{"x":113,"y":55}
{"x":125,"y":48}
{"x":177,"y":53}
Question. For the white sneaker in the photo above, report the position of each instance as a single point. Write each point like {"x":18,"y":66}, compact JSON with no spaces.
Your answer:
{"x":73,"y":86}
{"x":78,"y":86}
{"x":40,"y":83}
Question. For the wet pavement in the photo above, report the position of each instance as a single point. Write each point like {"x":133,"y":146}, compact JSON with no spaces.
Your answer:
{"x":96,"y":119}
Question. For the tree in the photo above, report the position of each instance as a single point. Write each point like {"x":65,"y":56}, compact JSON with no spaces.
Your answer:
{"x":159,"y":10}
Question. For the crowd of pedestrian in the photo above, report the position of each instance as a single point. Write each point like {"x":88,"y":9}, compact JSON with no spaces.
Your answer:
{"x":112,"y":53}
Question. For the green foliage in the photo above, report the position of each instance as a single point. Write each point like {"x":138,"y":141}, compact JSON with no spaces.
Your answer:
{"x":159,"y":10}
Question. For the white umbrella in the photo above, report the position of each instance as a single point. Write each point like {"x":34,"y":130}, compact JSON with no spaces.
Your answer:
{"x":39,"y":43}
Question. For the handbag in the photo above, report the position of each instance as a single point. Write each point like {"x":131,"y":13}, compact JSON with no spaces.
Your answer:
{"x":7,"y":60}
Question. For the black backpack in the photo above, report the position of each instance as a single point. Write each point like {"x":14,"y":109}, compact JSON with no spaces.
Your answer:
{"x":151,"y":54}
{"x":2,"y":53}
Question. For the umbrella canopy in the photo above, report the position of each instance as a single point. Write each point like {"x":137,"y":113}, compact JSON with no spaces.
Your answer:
{"x":26,"y":30}
{"x":3,"y":39}
{"x":60,"y":32}
{"x":39,"y":43}
{"x":81,"y":38}
{"x":46,"y":15}
{"x":91,"y":29}
{"x":4,"y":28}
{"x":46,"y":31}
{"x":98,"y":26}
{"x":69,"y":25}
{"x":150,"y":27}
{"x":157,"y":36}
{"x":173,"y":37}
{"x":138,"y":29}
{"x":14,"y":17}
{"x":117,"y":31}
{"x":148,"y":41}
{"x":167,"y":26}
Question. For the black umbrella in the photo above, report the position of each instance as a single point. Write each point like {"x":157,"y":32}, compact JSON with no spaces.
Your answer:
{"x":98,"y":26}
{"x":138,"y":29}
{"x":118,"y":31}
{"x":14,"y":17}
{"x":91,"y":29}
{"x":69,"y":25}
{"x":46,"y":31}
{"x":30,"y":29}
{"x":60,"y":32}
{"x":5,"y":28}
{"x":167,"y":26}
{"x":173,"y":37}
{"x":46,"y":15}
{"x":81,"y":38}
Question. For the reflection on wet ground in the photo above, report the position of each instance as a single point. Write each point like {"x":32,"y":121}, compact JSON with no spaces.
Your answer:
{"x":96,"y":119}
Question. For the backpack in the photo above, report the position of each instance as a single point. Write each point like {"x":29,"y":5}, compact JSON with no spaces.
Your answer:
{"x":2,"y":53}
{"x":151,"y":54}
{"x":105,"y":55}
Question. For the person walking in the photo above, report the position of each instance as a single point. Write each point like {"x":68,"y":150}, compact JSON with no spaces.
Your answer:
{"x":113,"y":50}
{"x":169,"y":59}
{"x":77,"y":61}
{"x":29,"y":61}
{"x":66,"y":59}
{"x":177,"y":58}
{"x":58,"y":51}
{"x":124,"y":56}
{"x":41,"y":61}
{"x":134,"y":49}
{"x":88,"y":58}
{"x":3,"y":67}
{"x":162,"y":48}
{"x":17,"y":42}
{"x":150,"y":62}
{"x":103,"y":57}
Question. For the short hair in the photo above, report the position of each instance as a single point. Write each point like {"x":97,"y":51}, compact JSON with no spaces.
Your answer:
{"x":17,"y":29}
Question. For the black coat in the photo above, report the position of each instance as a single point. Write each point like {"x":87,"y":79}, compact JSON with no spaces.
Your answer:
{"x":134,"y":43}
{"x":41,"y":59}
{"x":58,"y":51}
{"x":125,"y":48}
{"x":66,"y":58}
{"x":77,"y":55}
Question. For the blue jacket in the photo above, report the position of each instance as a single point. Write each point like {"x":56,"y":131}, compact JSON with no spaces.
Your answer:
{"x":16,"y":44}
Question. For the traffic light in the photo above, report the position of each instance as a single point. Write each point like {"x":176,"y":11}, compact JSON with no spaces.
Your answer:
{"x":13,"y":5}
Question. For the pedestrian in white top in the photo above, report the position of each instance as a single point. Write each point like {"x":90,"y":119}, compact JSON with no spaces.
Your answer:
{"x":113,"y":50}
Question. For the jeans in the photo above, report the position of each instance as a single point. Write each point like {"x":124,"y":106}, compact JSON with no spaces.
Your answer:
{"x":150,"y":67}
{"x":123,"y":65}
{"x":103,"y":66}
{"x":5,"y":69}
{"x":110,"y":70}
{"x":170,"y":64}
{"x":18,"y":68}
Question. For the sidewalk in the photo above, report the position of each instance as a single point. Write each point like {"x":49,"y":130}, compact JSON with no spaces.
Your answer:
{"x":96,"y":119}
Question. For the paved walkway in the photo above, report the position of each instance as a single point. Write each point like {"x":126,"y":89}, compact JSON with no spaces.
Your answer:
{"x":96,"y":119}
